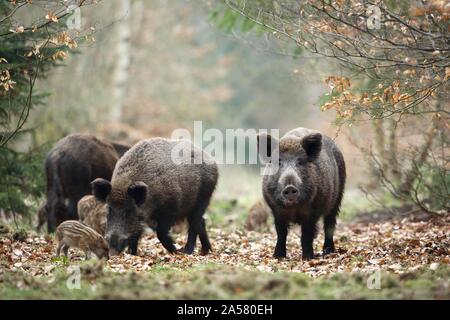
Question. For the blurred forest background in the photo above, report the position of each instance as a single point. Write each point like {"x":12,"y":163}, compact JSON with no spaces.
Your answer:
{"x":373,"y":76}
{"x":137,"y":69}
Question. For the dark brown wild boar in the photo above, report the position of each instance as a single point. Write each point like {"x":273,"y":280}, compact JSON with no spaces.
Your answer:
{"x":308,"y":185}
{"x":70,"y":166}
{"x":149,"y":187}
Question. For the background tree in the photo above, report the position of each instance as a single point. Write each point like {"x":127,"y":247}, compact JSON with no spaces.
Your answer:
{"x":34,"y":38}
{"x":396,"y":59}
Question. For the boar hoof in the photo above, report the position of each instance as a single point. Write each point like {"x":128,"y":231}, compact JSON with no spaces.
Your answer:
{"x":204,"y":252}
{"x":132,"y":252}
{"x":279,"y":254}
{"x":308,"y":256}
{"x":176,"y":251}
{"x":328,"y":250}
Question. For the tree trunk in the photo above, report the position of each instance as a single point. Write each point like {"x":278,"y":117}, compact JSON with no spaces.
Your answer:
{"x":392,"y":159}
{"x":379,"y":136}
{"x":122,"y":60}
{"x":422,"y":155}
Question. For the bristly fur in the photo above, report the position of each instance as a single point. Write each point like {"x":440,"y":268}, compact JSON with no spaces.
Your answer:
{"x":173,"y":192}
{"x":312,"y":165}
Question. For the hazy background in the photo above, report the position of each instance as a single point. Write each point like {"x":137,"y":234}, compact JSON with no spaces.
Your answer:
{"x":159,"y":65}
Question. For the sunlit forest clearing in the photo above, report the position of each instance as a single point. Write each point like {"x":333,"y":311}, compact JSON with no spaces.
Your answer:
{"x":373,"y":79}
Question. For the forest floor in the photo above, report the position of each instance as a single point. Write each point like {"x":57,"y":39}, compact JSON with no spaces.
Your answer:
{"x":380,"y":255}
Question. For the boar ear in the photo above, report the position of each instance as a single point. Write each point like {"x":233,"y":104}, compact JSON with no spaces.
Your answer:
{"x":312,"y":144}
{"x":138,"y":191}
{"x":266,"y":146}
{"x":101,"y":189}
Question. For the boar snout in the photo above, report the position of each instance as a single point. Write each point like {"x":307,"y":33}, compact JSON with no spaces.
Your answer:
{"x":290,"y":185}
{"x":290,"y":194}
{"x":117,"y":243}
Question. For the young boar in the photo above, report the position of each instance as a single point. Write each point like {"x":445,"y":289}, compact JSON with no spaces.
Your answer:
{"x":70,"y":166}
{"x":92,"y":213}
{"x":150,"y":185}
{"x":308,"y":185}
{"x":72,"y":233}
{"x":42,"y":216}
{"x":257,"y":216}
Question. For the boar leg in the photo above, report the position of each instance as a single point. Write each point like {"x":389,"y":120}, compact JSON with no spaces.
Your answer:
{"x":58,"y":249}
{"x":197,"y":223}
{"x":329,"y":223}
{"x":65,"y":249}
{"x":133,"y":244}
{"x":51,"y":220}
{"x":162,"y":232}
{"x":197,"y":228}
{"x":72,"y":209}
{"x":192,"y":237}
{"x":307,"y":238}
{"x":42,"y":216}
{"x":282,"y":231}
{"x":203,"y":235}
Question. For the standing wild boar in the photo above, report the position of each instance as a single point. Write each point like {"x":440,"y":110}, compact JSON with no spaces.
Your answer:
{"x":72,"y":233}
{"x":92,"y":213}
{"x":308,"y":184}
{"x":148,"y":186}
{"x":70,"y":166}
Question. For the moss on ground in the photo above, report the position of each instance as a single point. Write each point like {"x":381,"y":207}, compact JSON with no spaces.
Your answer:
{"x":212,"y":281}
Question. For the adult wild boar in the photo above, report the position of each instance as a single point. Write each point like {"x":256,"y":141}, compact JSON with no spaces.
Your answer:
{"x":148,"y":186}
{"x":70,"y":166}
{"x":308,"y":185}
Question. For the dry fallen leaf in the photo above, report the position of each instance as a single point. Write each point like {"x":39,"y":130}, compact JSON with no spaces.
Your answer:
{"x":397,"y":246}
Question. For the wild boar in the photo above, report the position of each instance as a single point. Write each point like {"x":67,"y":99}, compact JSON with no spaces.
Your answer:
{"x":72,"y":233}
{"x":149,"y":186}
{"x":42,"y":216}
{"x":309,"y":184}
{"x":257,"y":216}
{"x":92,"y":213}
{"x":70,"y":166}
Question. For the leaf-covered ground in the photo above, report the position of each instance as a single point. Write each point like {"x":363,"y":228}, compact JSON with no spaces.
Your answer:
{"x":411,"y":251}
